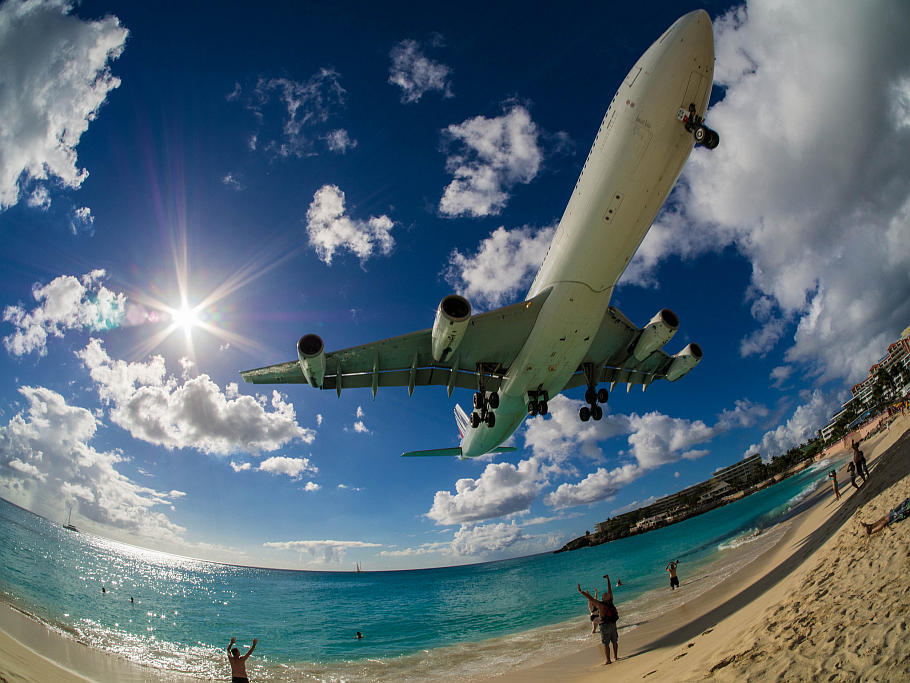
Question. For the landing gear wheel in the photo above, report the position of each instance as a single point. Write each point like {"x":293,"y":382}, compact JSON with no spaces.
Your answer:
{"x":712,"y":139}
{"x":532,"y":408}
{"x":478,"y":400}
{"x":597,"y":412}
{"x":475,"y":420}
{"x":584,"y":413}
{"x":590,"y":395}
{"x":543,"y":408}
{"x":490,"y":420}
{"x":701,"y":134}
{"x":602,"y":395}
{"x":493,"y":400}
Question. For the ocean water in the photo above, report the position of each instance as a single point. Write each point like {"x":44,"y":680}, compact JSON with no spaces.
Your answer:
{"x":435,"y":624}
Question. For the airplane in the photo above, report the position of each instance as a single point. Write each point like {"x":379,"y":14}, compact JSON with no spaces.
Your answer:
{"x":564,"y":334}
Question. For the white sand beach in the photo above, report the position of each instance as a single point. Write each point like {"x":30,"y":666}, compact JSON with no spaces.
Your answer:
{"x":825,"y":603}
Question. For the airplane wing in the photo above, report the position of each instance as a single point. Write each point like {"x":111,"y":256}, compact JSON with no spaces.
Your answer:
{"x":490,"y":344}
{"x":611,"y":356}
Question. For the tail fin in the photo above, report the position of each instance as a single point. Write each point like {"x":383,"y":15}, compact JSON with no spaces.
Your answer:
{"x":461,"y":420}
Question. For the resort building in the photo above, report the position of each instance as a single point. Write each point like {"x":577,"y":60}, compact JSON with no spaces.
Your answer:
{"x":895,"y":363}
{"x":740,"y":473}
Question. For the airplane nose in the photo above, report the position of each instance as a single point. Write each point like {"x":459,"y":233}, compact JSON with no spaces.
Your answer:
{"x":695,"y":26}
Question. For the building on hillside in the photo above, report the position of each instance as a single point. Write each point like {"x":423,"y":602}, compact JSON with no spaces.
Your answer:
{"x":740,"y":473}
{"x":895,"y":362}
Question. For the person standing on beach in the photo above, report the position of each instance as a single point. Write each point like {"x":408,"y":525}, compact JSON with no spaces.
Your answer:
{"x":608,"y":618}
{"x":595,"y":613}
{"x":851,"y":470}
{"x":859,"y":461}
{"x":238,"y":661}
{"x":674,"y":580}
{"x":832,"y":475}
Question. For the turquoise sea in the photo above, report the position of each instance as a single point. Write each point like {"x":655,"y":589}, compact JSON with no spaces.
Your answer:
{"x":430,"y":624}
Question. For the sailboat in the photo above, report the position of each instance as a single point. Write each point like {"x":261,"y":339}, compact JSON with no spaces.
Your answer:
{"x":358,"y":567}
{"x":69,"y":522}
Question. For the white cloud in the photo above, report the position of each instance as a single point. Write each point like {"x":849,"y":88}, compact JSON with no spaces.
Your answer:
{"x":188,"y":413}
{"x":602,"y":484}
{"x":801,"y":426}
{"x":241,"y":467}
{"x":503,"y":265}
{"x":233,"y":182}
{"x":485,"y":539}
{"x":415,"y":73}
{"x":65,"y":303}
{"x":308,"y":107}
{"x":292,"y":467}
{"x":330,"y":229}
{"x":54,"y":77}
{"x":501,"y":489}
{"x":822,"y":216}
{"x":47,"y":464}
{"x":345,"y":487}
{"x":311,"y":486}
{"x":328,"y":550}
{"x":339,"y":141}
{"x":490,"y":157}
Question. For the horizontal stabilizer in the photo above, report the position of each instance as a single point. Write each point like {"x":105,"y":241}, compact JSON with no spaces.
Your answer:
{"x":455,"y":450}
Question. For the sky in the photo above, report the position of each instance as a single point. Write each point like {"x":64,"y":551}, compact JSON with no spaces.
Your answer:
{"x":186,"y":190}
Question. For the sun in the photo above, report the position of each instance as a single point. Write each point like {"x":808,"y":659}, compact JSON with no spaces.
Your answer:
{"x":185,"y":318}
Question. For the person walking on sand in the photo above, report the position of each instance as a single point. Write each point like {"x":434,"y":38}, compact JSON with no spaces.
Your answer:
{"x":851,"y":470}
{"x":859,"y":461}
{"x":238,"y":661}
{"x":896,"y":514}
{"x":832,"y":475}
{"x":674,"y":580}
{"x":608,"y":618}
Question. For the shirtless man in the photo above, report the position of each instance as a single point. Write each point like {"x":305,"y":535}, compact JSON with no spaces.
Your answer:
{"x":608,"y":618}
{"x":238,"y":662}
{"x":674,"y":580}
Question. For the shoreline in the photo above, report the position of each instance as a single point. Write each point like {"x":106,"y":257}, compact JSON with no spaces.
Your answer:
{"x":682,"y":643}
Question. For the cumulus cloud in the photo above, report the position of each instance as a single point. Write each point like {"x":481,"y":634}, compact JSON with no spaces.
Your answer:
{"x":48,"y":464}
{"x":503,"y":265}
{"x":487,"y":157}
{"x":65,"y":303}
{"x":306,"y":109}
{"x":801,"y":426}
{"x":242,"y":467}
{"x":654,"y":439}
{"x":488,"y":538}
{"x":501,"y":489}
{"x":330,"y":228}
{"x":823,"y":217}
{"x":328,"y":550}
{"x":292,"y":467}
{"x":188,"y":413}
{"x":415,"y":73}
{"x":54,"y":77}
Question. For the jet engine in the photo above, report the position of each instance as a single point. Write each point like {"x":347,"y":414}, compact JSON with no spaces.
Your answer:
{"x":452,"y":318}
{"x":311,"y":356}
{"x":656,"y":333}
{"x":684,"y":361}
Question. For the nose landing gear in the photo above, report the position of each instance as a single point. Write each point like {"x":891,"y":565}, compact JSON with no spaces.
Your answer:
{"x":695,"y":124}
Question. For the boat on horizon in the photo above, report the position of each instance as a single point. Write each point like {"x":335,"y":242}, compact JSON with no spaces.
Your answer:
{"x":69,"y":522}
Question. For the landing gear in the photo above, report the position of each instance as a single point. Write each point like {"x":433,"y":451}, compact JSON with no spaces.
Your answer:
{"x":695,"y":124}
{"x":537,"y":402}
{"x":593,"y":395}
{"x":484,"y":403}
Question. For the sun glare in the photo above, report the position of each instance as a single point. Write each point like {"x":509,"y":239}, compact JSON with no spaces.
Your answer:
{"x":185,"y":317}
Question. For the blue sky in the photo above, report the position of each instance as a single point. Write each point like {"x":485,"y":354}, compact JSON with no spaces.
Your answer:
{"x":339,"y":170}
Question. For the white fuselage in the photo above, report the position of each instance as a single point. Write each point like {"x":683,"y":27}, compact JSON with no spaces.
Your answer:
{"x":636,"y":158}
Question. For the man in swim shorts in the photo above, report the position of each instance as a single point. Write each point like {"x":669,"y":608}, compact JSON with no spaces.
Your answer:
{"x":674,"y":580}
{"x":238,"y":662}
{"x":608,"y":618}
{"x":900,"y":512}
